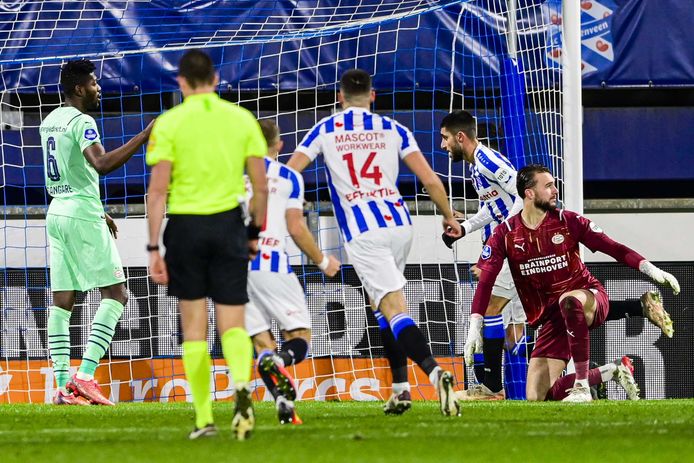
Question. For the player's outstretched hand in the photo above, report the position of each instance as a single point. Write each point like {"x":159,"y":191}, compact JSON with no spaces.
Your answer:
{"x":660,"y":276}
{"x":333,"y":266}
{"x":450,"y":235}
{"x":112,"y":227}
{"x":473,"y":343}
{"x":157,"y":268}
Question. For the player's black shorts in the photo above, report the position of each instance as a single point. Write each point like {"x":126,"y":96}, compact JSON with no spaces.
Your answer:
{"x":207,"y":256}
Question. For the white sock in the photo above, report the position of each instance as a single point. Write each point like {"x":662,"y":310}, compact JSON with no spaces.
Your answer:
{"x":607,"y":371}
{"x":581,"y":383}
{"x":84,"y":376}
{"x":434,"y":375}
{"x":399,"y":388}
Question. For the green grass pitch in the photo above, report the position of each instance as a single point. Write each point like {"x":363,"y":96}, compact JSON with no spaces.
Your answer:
{"x":605,"y":431}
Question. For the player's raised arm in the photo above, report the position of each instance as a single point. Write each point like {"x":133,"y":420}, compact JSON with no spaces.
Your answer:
{"x":420,"y":167}
{"x":105,"y":163}
{"x":596,"y":240}
{"x":299,"y":161}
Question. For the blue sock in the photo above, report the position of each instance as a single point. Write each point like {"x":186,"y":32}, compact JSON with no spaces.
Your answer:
{"x":516,"y":371}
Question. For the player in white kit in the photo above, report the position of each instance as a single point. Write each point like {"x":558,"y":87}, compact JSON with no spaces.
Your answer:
{"x":362,"y":151}
{"x":494,"y":180}
{"x":274,"y":291}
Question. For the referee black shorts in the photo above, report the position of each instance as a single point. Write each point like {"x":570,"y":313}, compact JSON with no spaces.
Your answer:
{"x":207,"y":256}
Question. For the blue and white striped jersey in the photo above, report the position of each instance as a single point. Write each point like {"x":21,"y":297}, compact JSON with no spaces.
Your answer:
{"x":494,"y":179}
{"x":362,"y":152}
{"x":285,"y":191}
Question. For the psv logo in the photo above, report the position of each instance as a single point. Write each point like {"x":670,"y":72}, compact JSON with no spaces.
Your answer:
{"x":558,"y":238}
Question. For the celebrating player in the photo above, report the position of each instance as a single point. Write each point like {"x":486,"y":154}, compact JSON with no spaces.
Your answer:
{"x":199,"y":150}
{"x":362,"y":152}
{"x":494,"y":180}
{"x":273,"y":289}
{"x":556,"y":289}
{"x":83,"y":254}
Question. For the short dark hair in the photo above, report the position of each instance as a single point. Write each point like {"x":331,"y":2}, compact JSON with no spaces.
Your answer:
{"x":460,"y":121}
{"x":270,"y":131}
{"x":526,"y":177}
{"x":355,"y":82}
{"x":196,"y":67}
{"x":74,"y":73}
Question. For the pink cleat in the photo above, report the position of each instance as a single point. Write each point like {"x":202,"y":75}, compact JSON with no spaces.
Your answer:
{"x":69,"y":398}
{"x":89,"y":390}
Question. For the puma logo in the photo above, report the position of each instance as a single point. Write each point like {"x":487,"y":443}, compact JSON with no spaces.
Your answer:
{"x":519,"y":246}
{"x":570,"y":333}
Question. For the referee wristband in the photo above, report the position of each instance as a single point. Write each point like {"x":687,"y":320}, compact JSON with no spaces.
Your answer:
{"x":151,"y":248}
{"x":324,"y":263}
{"x":253,"y":232}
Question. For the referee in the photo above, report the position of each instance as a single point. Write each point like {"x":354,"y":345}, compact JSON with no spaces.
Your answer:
{"x":198,"y":151}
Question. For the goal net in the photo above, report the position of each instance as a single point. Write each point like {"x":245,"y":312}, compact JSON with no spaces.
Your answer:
{"x":282,"y":60}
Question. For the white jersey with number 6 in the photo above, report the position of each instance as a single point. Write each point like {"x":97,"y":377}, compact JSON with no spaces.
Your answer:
{"x":362,"y":151}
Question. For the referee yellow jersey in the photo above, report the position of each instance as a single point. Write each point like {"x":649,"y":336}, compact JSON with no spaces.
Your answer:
{"x":207,"y":140}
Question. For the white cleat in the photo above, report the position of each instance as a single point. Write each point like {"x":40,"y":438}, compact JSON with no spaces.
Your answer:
{"x":653,"y":309}
{"x":625,"y":378}
{"x":244,"y":419}
{"x":447,"y":396}
{"x":578,"y":394}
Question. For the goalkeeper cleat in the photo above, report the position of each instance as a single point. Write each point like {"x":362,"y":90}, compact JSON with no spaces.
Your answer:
{"x":286,"y":411}
{"x":69,"y":398}
{"x":398,"y":404}
{"x":653,"y":310}
{"x":625,"y":378}
{"x":244,"y":420}
{"x":89,"y":389}
{"x":273,"y":366}
{"x":208,"y":431}
{"x":447,"y":397}
{"x":480,"y":392}
{"x":578,"y":394}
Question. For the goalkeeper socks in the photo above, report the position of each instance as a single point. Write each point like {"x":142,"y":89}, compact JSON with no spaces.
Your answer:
{"x":293,"y":351}
{"x":560,"y":387}
{"x":103,"y":328}
{"x":493,"y":346}
{"x":238,"y":353}
{"x":196,"y":364}
{"x":59,"y":343}
{"x":577,"y":329}
{"x":625,"y":309}
{"x":413,"y":342}
{"x":397,"y":358}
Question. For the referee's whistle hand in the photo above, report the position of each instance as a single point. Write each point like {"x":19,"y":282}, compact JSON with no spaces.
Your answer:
{"x":157,"y":269}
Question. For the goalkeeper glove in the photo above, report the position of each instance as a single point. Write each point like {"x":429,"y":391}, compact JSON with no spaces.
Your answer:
{"x":660,"y":276}
{"x":473,"y":343}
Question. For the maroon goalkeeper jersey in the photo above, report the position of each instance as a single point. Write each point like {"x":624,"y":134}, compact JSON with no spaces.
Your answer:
{"x":545,"y":262}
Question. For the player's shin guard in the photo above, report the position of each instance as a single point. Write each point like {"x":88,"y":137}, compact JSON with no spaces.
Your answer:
{"x":413,"y":342}
{"x":560,"y":388}
{"x":516,"y":371}
{"x":493,"y":346}
{"x":577,"y":329}
{"x":196,"y":364}
{"x":237,"y":348}
{"x":293,"y":351}
{"x":397,"y":358}
{"x":59,"y":343}
{"x":103,"y":328}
